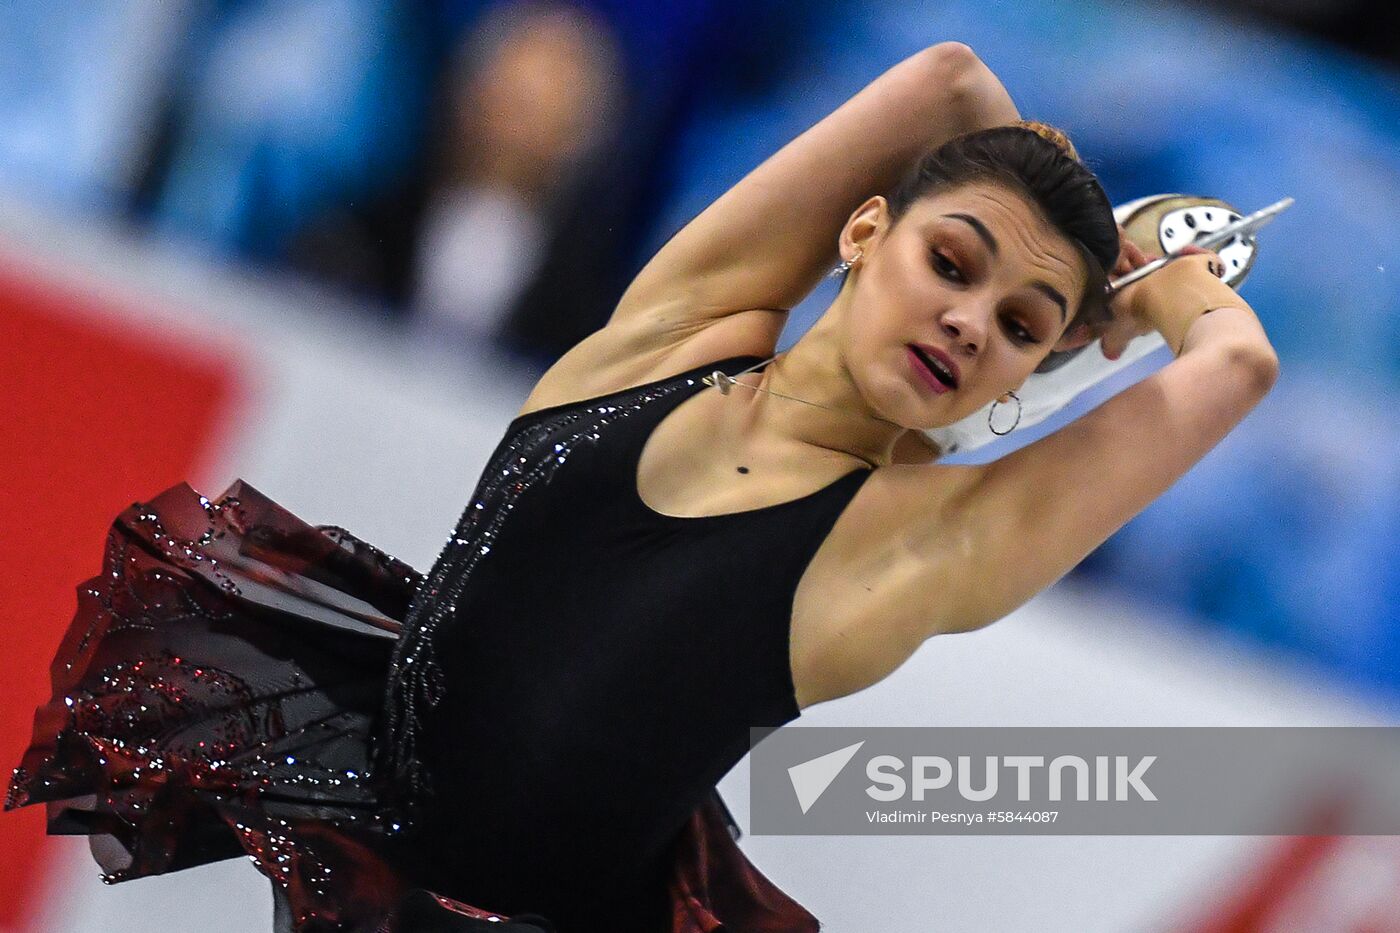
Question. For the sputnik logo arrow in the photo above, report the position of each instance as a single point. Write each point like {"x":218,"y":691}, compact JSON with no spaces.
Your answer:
{"x":811,"y":778}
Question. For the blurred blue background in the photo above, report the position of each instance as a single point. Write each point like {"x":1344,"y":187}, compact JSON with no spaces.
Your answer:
{"x":362,"y":145}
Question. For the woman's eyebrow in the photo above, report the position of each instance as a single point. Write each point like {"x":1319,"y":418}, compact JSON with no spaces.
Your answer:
{"x":1054,"y":295}
{"x":981,"y":229}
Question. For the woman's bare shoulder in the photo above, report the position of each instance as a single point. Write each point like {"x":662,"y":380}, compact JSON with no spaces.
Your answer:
{"x":644,"y":348}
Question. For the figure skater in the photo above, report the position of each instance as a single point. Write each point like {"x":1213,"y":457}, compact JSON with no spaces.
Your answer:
{"x":682,"y":535}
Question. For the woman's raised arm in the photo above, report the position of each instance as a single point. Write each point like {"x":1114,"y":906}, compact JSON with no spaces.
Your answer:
{"x":964,"y":558}
{"x":767,"y":241}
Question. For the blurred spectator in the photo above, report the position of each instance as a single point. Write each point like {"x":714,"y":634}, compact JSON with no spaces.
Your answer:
{"x":553,"y":124}
{"x":532,"y":94}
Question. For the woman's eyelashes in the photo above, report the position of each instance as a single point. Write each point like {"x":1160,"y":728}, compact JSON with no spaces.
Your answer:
{"x":947,"y":268}
{"x":1019,"y":332}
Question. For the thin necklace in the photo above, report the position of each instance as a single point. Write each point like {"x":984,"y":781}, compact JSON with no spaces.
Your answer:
{"x":724,"y":382}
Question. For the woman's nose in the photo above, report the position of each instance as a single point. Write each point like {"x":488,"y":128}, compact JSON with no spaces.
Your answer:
{"x":964,"y":331}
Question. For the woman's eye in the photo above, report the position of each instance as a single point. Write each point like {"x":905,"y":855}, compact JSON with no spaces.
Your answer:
{"x":1020,"y":334}
{"x":946,"y":268}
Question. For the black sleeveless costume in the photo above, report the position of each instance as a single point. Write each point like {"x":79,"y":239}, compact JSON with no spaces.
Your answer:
{"x":567,"y":685}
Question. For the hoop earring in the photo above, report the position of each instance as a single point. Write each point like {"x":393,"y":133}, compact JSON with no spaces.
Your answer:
{"x":997,"y":402}
{"x":845,"y":266}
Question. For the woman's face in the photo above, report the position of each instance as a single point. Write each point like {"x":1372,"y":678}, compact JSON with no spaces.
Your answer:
{"x":973,"y":275}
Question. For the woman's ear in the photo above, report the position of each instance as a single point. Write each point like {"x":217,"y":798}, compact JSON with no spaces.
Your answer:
{"x":1075,"y":337}
{"x":865,"y":227}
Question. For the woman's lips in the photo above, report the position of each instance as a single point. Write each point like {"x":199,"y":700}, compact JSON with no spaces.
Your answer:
{"x":925,"y":373}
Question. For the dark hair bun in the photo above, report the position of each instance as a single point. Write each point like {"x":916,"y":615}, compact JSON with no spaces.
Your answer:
{"x":1050,"y":134}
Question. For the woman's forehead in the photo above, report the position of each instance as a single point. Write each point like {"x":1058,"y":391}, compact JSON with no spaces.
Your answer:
{"x":996,"y":206}
{"x":1008,"y":226}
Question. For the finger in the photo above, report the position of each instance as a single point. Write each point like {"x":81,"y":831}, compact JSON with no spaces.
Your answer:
{"x":1114,"y":340}
{"x":1127,"y":253}
{"x":1124,"y":265}
{"x":1135,"y":255}
{"x":1112,"y":349}
{"x":1121,"y":341}
{"x":1208,"y":258}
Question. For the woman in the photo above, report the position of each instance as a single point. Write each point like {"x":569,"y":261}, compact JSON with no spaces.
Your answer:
{"x":649,"y":567}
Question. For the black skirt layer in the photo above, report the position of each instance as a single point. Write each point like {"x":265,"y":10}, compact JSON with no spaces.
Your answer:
{"x":217,"y":694}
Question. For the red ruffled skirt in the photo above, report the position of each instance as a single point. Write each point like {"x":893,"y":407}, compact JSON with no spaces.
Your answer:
{"x":215,"y":696}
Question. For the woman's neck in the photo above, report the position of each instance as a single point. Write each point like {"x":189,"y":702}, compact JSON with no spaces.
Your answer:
{"x":814,"y":371}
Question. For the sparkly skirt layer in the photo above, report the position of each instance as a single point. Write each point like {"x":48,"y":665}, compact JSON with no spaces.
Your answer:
{"x":215,"y":696}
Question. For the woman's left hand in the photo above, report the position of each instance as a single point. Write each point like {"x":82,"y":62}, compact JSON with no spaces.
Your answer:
{"x":1130,"y":256}
{"x":1125,"y":326}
